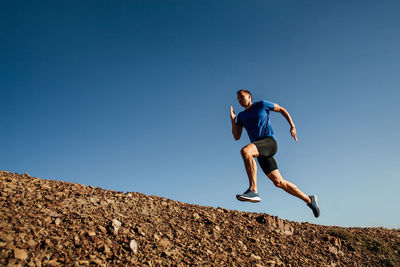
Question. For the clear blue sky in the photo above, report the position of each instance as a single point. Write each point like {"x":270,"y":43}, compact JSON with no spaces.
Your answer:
{"x":135,"y":96}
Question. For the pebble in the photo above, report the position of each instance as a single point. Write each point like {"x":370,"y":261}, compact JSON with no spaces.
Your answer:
{"x":91,"y":233}
{"x":255,"y":257}
{"x":134,"y":246}
{"x":94,"y":200}
{"x":8,"y":238}
{"x":102,"y":229}
{"x":106,"y":249}
{"x":164,"y":242}
{"x":116,"y":224}
{"x":32,"y":243}
{"x":20,"y":254}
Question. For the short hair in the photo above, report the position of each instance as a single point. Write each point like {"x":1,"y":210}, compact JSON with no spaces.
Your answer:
{"x":244,"y":90}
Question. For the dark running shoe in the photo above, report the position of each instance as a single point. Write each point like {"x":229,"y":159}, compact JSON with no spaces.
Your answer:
{"x":249,"y":195}
{"x":314,"y":205}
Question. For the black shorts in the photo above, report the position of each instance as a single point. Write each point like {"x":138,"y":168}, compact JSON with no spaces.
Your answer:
{"x":267,"y":148}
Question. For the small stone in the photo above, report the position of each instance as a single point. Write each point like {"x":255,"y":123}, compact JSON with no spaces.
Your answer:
{"x":49,"y":243}
{"x":196,"y":216}
{"x":333,"y":250}
{"x":156,"y":237}
{"x":58,"y":221}
{"x":20,"y":254}
{"x":77,"y":242}
{"x":116,"y":224}
{"x":53,"y":262}
{"x":139,"y":231}
{"x":106,"y":249}
{"x":288,"y":232}
{"x":102,"y":229}
{"x":91,"y":233}
{"x":60,"y":194}
{"x":278,"y":261}
{"x":217,"y":228}
{"x":134,"y":246}
{"x":8,"y":238}
{"x":49,"y":198}
{"x":32,"y":243}
{"x":168,"y":253}
{"x":94,"y":200}
{"x":53,"y":213}
{"x":98,"y":262}
{"x":164,"y":242}
{"x":92,"y":257}
{"x":255,"y":257}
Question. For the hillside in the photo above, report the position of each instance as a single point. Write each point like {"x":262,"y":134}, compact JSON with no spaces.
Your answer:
{"x":53,"y":223}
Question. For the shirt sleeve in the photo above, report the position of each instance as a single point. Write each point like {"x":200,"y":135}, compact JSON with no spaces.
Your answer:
{"x":268,"y":105}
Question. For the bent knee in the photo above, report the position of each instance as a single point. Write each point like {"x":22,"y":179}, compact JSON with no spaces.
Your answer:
{"x":280,"y":183}
{"x":277,"y":183}
{"x":249,"y":151}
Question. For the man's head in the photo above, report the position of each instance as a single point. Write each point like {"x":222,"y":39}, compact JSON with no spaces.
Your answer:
{"x":244,"y":98}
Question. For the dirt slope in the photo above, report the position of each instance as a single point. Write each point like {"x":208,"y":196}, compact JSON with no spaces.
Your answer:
{"x":53,"y":223}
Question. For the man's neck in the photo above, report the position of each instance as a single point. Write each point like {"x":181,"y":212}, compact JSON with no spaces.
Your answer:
{"x":248,"y":106}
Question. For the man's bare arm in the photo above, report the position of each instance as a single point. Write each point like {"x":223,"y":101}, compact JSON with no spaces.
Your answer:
{"x":286,"y":114}
{"x":236,"y":129}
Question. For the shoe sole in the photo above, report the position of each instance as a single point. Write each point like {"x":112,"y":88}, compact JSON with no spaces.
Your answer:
{"x":253,"y":199}
{"x":316,"y":202}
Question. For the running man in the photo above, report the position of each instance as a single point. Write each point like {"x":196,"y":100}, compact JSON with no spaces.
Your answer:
{"x":255,"y":119}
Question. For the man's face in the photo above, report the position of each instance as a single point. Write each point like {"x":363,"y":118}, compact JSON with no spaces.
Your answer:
{"x":244,"y":98}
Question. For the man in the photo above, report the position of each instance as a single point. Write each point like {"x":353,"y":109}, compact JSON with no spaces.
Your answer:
{"x":255,"y":119}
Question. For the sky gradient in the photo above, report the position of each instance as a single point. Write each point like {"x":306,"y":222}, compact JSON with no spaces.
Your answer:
{"x":135,"y":96}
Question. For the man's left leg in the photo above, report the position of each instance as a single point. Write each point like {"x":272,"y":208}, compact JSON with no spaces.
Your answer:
{"x":312,"y":201}
{"x":276,"y":177}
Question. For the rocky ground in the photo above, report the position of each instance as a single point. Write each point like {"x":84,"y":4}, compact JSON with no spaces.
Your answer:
{"x":53,"y":223}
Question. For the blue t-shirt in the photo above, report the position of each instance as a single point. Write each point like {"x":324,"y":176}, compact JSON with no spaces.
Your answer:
{"x":256,"y":120}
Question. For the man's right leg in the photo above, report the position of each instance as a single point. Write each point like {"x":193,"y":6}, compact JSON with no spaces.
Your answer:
{"x":249,"y":152}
